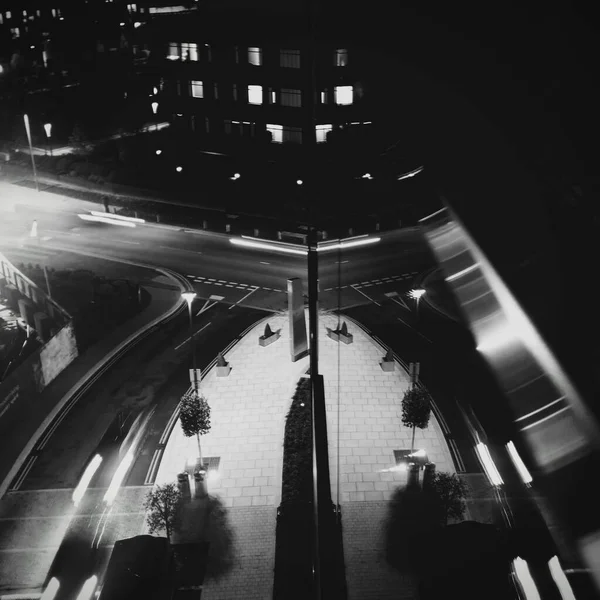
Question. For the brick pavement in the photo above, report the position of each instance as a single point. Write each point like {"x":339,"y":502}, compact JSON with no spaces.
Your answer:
{"x":248,"y":412}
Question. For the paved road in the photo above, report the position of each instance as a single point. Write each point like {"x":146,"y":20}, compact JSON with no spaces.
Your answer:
{"x":39,"y":518}
{"x":213,"y":263}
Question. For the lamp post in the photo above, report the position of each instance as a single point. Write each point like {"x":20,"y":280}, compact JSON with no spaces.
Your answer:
{"x":189,"y":298}
{"x":28,"y":131}
{"x":48,"y":130}
{"x":155,"y":111}
{"x":416,"y":295}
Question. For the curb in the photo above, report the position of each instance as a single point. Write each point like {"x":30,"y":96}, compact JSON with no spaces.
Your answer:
{"x":90,"y":377}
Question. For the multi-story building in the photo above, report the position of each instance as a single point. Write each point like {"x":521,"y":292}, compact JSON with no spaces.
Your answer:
{"x":247,"y":79}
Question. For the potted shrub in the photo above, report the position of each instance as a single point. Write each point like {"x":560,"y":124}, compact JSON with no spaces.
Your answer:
{"x":388,"y":363}
{"x":223,"y":367}
{"x":269,"y":336}
{"x":344,"y":336}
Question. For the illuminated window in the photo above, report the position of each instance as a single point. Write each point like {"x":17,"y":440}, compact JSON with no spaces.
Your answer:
{"x":322,"y":131}
{"x":184,"y":51}
{"x":255,"y":94}
{"x":289,"y":59}
{"x":25,"y":13}
{"x":39,"y":13}
{"x":281,"y":134}
{"x":234,"y":90}
{"x":324,"y":97}
{"x":54,"y":12}
{"x":216,"y":91}
{"x":1,"y":19}
{"x":8,"y":14}
{"x":255,"y":56}
{"x":240,"y":128}
{"x":189,"y":51}
{"x":291,"y":98}
{"x":132,"y":8}
{"x":196,"y":89}
{"x":15,"y":32}
{"x":343,"y":94}
{"x":272,"y":96}
{"x":276,"y":133}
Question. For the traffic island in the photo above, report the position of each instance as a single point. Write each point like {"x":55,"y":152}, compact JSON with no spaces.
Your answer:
{"x":269,"y":336}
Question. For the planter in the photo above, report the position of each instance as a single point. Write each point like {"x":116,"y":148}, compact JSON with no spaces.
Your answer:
{"x":223,"y":371}
{"x":334,"y":335}
{"x":266,"y":341}
{"x":388,"y":365}
{"x":347,"y":338}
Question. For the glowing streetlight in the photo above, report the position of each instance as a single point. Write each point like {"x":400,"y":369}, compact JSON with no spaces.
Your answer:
{"x":158,"y":152}
{"x":155,"y":111}
{"x":48,"y":130}
{"x":189,"y":298}
{"x":179,"y":169}
{"x":416,"y":295}
{"x":299,"y":181}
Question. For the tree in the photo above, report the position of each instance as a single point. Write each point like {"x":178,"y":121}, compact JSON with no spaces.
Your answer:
{"x":195,"y":417}
{"x":162,"y":508}
{"x":450,"y":492}
{"x":80,"y":139}
{"x":416,"y":410}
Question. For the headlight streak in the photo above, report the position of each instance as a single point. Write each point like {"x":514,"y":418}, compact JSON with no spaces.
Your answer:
{"x":51,"y":589}
{"x":83,"y":484}
{"x":118,"y":477}
{"x":87,"y":591}
{"x":95,"y":213}
{"x":519,"y":464}
{"x":105,"y":220}
{"x":488,"y":464}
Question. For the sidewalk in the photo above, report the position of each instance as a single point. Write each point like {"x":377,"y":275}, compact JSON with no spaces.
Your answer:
{"x":19,"y":425}
{"x":248,"y":415}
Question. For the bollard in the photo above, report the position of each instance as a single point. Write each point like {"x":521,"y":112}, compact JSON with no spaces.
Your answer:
{"x":256,"y":232}
{"x":413,"y":475}
{"x":183,"y":483}
{"x":201,"y":484}
{"x":205,"y":224}
{"x":279,"y":235}
{"x":428,"y":474}
{"x":158,"y":218}
{"x":377,"y":226}
{"x":351,"y":231}
{"x":228,"y":227}
{"x":324,"y":235}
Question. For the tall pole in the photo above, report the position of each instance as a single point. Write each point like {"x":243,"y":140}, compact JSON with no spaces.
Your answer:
{"x":28,"y":130}
{"x":193,"y":346}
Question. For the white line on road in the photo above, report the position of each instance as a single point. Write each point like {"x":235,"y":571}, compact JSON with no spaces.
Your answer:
{"x":266,"y":288}
{"x":365,"y":295}
{"x":62,"y":232}
{"x":217,"y":283}
{"x":181,"y":250}
{"x":128,"y":242}
{"x":195,"y":334}
{"x":262,"y":262}
{"x":239,"y":287}
{"x":243,"y":298}
{"x":341,"y":262}
{"x":229,"y":285}
{"x":30,"y":461}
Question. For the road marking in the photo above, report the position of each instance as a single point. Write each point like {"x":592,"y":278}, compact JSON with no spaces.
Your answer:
{"x":229,"y":285}
{"x":342,"y":262}
{"x":153,"y":469}
{"x":181,"y":250}
{"x":128,"y":242}
{"x":222,"y":281}
{"x":244,"y":284}
{"x":281,"y":291}
{"x":28,"y":466}
{"x":46,"y":238}
{"x":209,"y":279}
{"x":242,"y":299}
{"x":327,"y":289}
{"x":193,"y":335}
{"x":262,"y":262}
{"x":266,"y":288}
{"x":365,"y":295}
{"x":239,"y":287}
{"x":217,"y":283}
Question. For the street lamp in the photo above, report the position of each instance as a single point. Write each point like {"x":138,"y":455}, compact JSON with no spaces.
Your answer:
{"x":48,"y":130}
{"x":28,"y":130}
{"x":416,"y":295}
{"x":189,"y":298}
{"x":155,"y":111}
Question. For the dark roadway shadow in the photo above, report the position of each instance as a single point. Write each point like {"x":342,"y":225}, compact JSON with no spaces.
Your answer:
{"x":220,"y":537}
